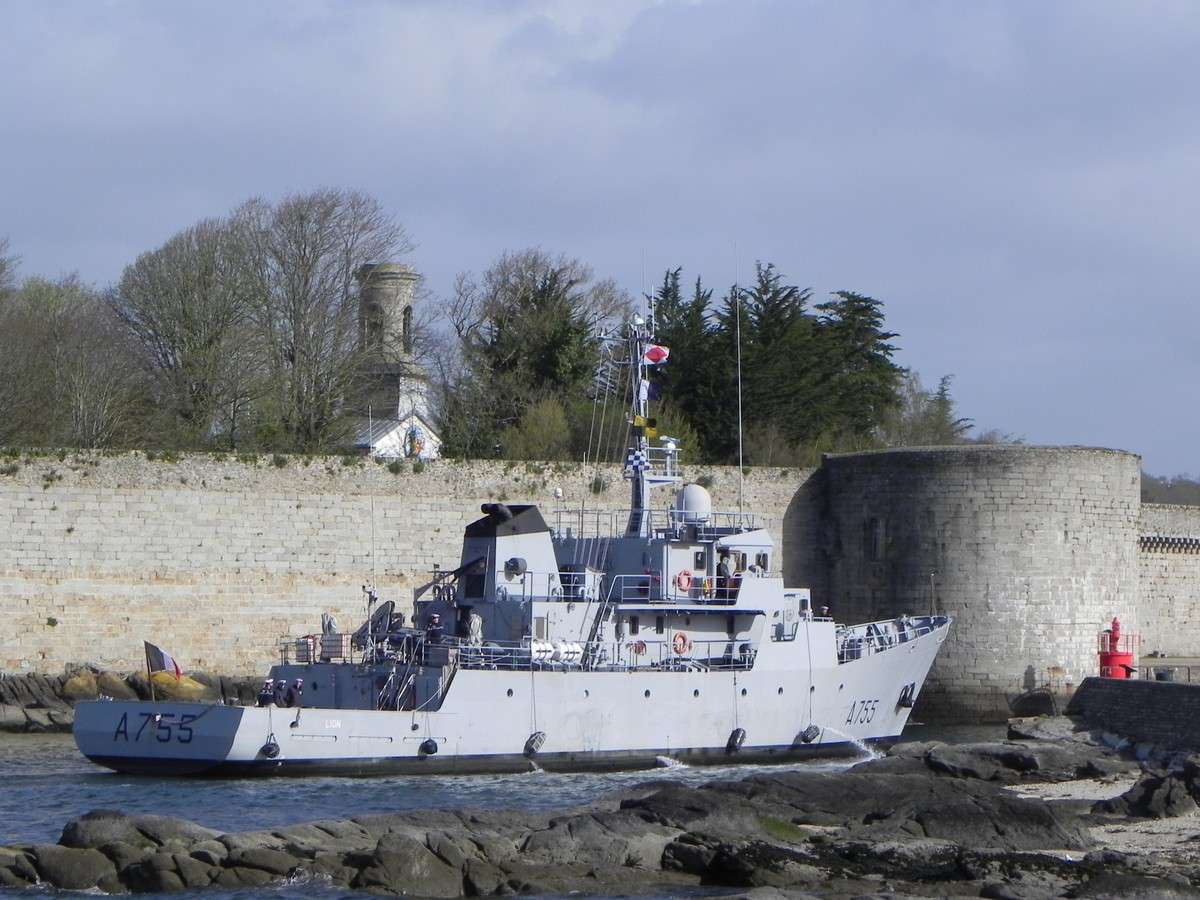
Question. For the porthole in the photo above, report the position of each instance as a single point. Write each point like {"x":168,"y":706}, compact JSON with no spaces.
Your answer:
{"x":647,"y":695}
{"x":586,"y":692}
{"x":509,"y":692}
{"x":313,"y":686}
{"x":696,"y":693}
{"x":743,"y":692}
{"x":781,"y":692}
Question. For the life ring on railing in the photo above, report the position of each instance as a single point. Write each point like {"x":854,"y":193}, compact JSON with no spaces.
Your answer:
{"x":681,"y":643}
{"x":683,"y":581}
{"x":638,"y":647}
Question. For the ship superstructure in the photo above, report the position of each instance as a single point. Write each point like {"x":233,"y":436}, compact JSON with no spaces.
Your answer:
{"x":599,"y":639}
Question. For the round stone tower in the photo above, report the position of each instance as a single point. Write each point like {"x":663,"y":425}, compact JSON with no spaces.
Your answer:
{"x":385,"y":297}
{"x":1032,"y":550}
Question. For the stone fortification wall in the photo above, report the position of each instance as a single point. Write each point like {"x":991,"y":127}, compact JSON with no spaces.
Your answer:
{"x":1169,"y":576}
{"x":1030,"y":549}
{"x":216,"y":558}
{"x":1161,"y":712}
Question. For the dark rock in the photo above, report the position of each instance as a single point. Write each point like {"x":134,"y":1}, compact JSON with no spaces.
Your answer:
{"x":155,"y":873}
{"x":124,"y":854}
{"x":193,"y":872}
{"x":1123,"y":886}
{"x":1154,"y":796}
{"x":405,"y":866}
{"x":275,"y":862}
{"x":482,"y":878}
{"x":758,"y":864}
{"x":1037,"y":702}
{"x":103,"y":826}
{"x":66,"y":867}
{"x":238,"y":876}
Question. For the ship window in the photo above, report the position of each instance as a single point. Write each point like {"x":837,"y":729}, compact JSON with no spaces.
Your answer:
{"x":633,"y":624}
{"x":539,"y":627}
{"x":699,"y":561}
{"x":660,"y":624}
{"x":731,"y":626}
{"x":762,"y":560}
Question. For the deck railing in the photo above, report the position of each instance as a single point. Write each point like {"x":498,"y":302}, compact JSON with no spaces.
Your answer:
{"x":856,"y":641}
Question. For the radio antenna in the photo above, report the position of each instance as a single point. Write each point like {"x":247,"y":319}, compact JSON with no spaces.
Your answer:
{"x":737,"y":319}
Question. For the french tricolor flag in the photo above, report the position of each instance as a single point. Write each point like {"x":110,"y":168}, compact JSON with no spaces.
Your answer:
{"x":159,"y":660}
{"x":656,"y":354}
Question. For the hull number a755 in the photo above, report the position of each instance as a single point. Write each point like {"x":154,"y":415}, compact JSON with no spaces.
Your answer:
{"x":165,"y":727}
{"x":861,"y":712}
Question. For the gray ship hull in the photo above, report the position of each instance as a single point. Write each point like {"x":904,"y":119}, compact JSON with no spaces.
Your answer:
{"x":785,"y":708}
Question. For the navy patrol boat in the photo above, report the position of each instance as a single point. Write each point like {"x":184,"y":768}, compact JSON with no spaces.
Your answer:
{"x":602,"y":640}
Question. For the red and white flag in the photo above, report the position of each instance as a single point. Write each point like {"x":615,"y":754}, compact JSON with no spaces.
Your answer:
{"x":656,"y":354}
{"x":159,"y":660}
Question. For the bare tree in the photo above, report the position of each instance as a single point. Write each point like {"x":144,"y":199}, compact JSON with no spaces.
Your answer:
{"x":8,"y":268}
{"x":188,"y":303}
{"x":74,"y":382}
{"x":306,"y":251}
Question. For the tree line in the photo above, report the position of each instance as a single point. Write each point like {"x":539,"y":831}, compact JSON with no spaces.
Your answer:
{"x":241,"y":333}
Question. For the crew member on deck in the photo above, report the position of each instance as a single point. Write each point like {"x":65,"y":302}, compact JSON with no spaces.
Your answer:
{"x":724,"y":577}
{"x":434,"y":632}
{"x":295,"y":692}
{"x":266,"y":694}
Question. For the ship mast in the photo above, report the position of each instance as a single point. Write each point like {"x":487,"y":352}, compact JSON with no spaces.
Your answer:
{"x":645,"y":466}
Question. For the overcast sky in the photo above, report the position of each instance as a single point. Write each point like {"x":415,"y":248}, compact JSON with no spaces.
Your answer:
{"x":1016,"y":181}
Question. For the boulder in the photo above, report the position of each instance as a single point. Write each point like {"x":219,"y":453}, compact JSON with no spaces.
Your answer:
{"x":186,"y":688}
{"x":12,"y":718}
{"x":110,"y":684}
{"x":403,"y":865}
{"x":80,"y":686}
{"x":105,"y":826}
{"x":1154,"y":796}
{"x":274,"y":862}
{"x":69,"y":868}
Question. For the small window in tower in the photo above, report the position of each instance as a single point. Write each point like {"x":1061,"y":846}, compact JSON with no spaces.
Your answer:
{"x":406,"y":335}
{"x":633,"y":624}
{"x":660,"y":624}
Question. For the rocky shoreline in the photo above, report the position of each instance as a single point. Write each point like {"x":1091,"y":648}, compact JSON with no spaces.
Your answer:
{"x":1055,"y":810}
{"x":32,"y":703}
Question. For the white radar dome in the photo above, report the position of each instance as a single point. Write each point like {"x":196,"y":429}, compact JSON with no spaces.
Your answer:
{"x":692,"y":506}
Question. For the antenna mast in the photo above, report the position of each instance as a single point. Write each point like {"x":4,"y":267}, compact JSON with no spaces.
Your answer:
{"x":737,"y":318}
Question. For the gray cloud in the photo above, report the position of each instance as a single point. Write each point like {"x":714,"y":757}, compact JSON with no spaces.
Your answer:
{"x":1015,"y":181}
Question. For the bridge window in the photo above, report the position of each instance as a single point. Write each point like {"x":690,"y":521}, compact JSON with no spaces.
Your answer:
{"x":660,"y":624}
{"x":633,"y":625}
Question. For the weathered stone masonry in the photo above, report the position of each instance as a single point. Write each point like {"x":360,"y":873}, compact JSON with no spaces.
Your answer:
{"x":1033,"y":550}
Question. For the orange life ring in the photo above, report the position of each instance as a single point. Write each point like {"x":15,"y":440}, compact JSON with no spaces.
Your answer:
{"x":681,"y":643}
{"x":684,"y":580}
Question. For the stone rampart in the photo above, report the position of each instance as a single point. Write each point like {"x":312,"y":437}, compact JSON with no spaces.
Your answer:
{"x":1031,"y":549}
{"x":216,"y":558}
{"x":1169,"y":577}
{"x":1161,"y":712}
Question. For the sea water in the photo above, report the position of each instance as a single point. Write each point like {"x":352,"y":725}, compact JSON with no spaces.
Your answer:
{"x":45,"y":782}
